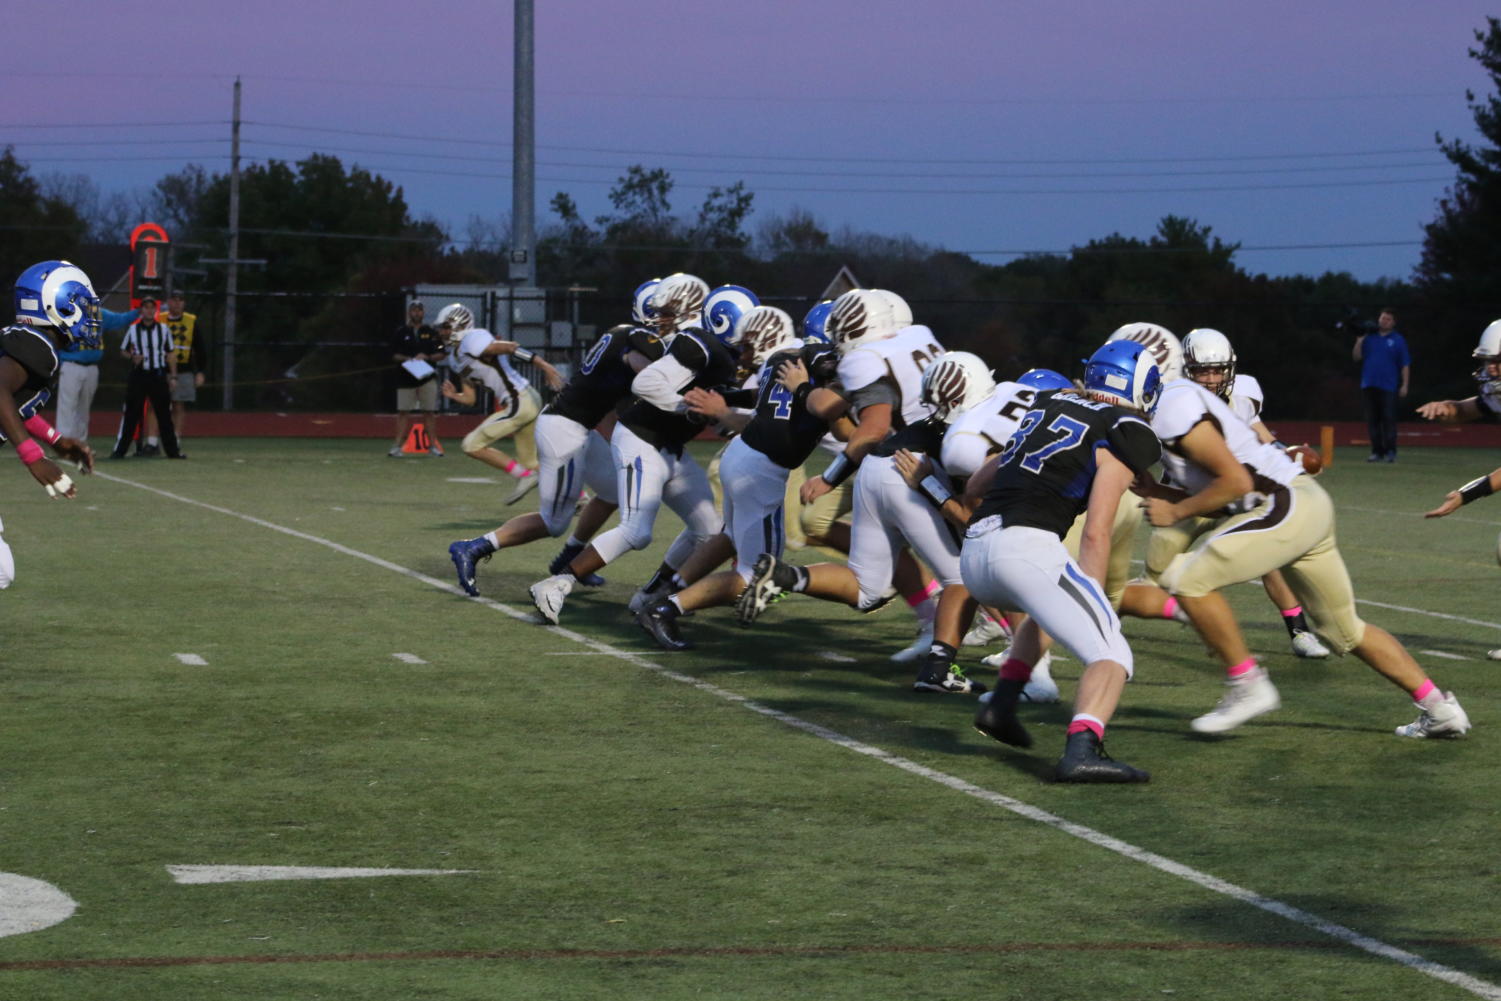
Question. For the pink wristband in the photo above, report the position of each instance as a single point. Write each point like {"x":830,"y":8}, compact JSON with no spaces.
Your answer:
{"x":29,"y":451}
{"x":39,"y":427}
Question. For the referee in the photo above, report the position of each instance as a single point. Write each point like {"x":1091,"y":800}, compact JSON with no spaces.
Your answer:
{"x":148,"y":345}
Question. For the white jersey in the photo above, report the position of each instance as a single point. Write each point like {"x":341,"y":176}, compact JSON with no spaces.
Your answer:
{"x":494,"y":373}
{"x":1246,"y":398}
{"x":985,"y":428}
{"x":900,"y":360}
{"x":1183,"y":405}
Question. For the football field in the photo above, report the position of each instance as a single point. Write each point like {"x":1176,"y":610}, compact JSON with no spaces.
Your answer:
{"x":258,"y":745}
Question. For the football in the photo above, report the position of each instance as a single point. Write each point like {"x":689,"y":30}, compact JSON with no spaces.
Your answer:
{"x":1308,"y":456}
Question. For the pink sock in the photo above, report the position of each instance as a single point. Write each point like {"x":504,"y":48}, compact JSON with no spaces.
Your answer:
{"x":1016,"y":670}
{"x":1169,"y":607}
{"x":918,"y":597}
{"x":1288,"y":613}
{"x":1424,"y":690}
{"x":1240,"y":670}
{"x":512,"y":466}
{"x":1084,"y":721}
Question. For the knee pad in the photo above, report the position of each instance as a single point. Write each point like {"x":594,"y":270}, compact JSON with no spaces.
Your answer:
{"x":637,"y":538}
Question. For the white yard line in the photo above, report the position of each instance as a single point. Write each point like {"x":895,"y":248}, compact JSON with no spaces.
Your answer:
{"x":1445,"y":655}
{"x":1340,"y":933}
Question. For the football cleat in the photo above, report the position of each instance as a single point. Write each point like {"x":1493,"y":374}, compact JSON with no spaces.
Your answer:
{"x":466,"y":553}
{"x":524,"y":486}
{"x":560,"y":563}
{"x":918,"y":647}
{"x":769,"y":581}
{"x":1447,"y":719}
{"x":986,"y":631}
{"x":549,"y":594}
{"x":1041,"y":687}
{"x":1493,"y":654}
{"x":1306,"y":644}
{"x":1084,"y":760}
{"x":997,"y":716}
{"x":660,"y":622}
{"x":396,"y":452}
{"x":945,"y":677}
{"x":644,"y":598}
{"x":1242,"y":701}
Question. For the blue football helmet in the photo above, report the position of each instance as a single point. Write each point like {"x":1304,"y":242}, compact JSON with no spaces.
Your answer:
{"x":813,"y":323}
{"x":60,"y":295}
{"x":1126,"y":372}
{"x":723,"y":309}
{"x":1042,"y":379}
{"x":641,"y":309}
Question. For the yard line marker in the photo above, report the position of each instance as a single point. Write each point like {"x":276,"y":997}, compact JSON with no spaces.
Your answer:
{"x":1340,"y":933}
{"x":409,"y":658}
{"x":838,"y":658}
{"x":1444,"y":654}
{"x":201,"y":874}
{"x":472,"y":479}
{"x":191,"y":658}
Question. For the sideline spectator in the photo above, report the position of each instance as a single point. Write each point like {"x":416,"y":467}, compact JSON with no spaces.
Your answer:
{"x":1385,"y":366}
{"x":78,"y":376}
{"x":416,"y":341}
{"x":191,"y":366}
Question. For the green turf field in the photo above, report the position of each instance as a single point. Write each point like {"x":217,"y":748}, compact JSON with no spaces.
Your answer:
{"x":772,"y":815}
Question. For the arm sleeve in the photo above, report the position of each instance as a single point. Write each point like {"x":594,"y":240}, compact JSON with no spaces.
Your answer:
{"x":873,"y":393}
{"x":110,"y":321}
{"x":662,"y":383}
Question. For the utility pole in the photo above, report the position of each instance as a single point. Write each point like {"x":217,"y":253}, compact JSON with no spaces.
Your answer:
{"x":523,"y":271}
{"x":232,"y":287}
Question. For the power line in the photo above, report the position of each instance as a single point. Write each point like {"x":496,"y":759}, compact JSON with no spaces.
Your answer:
{"x":108,"y":125}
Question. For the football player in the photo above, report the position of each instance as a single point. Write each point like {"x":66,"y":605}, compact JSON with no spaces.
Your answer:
{"x":1209,"y":360}
{"x":1267,"y":514}
{"x":56,"y":308}
{"x":648,"y":445}
{"x":572,"y":436}
{"x":793,"y":407}
{"x":1072,"y":453}
{"x":482,"y":359}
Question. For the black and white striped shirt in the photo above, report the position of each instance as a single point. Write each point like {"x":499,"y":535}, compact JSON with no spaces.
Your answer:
{"x":151,"y":340}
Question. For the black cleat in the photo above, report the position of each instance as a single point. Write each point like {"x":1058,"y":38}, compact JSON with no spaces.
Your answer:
{"x":770,"y":579}
{"x":660,"y":622}
{"x":1084,"y":760}
{"x":940,"y":674}
{"x":997,"y":718}
{"x":560,"y":562}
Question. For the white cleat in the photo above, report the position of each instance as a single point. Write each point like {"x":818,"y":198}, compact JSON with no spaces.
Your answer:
{"x":1306,"y":644}
{"x":1447,"y":719}
{"x":1243,"y":701}
{"x":985,"y":631}
{"x":1041,"y":687}
{"x":1493,"y":654}
{"x":524,"y":486}
{"x":549,"y":594}
{"x":918,"y":649}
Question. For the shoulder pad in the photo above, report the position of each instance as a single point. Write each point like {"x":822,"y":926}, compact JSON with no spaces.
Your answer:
{"x":31,"y":349}
{"x":1132,"y":441}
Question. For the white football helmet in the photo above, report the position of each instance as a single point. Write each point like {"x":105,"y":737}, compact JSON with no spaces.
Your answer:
{"x":901,"y":313}
{"x":677,"y":298}
{"x":860,"y":316}
{"x":1162,"y":342}
{"x":457,"y":318}
{"x":955,"y":382}
{"x":1488,"y":350}
{"x":763,"y":331}
{"x":1206,"y":351}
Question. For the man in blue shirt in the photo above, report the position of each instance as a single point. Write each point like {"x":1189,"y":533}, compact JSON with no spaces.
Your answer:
{"x":1384,"y":369}
{"x":78,"y":377}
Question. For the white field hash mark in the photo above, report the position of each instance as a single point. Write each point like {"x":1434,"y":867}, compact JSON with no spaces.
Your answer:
{"x":192,"y":659}
{"x":1338,"y":932}
{"x":409,"y":658}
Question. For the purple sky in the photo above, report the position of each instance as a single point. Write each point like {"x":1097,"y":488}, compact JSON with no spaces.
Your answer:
{"x":978,"y":125}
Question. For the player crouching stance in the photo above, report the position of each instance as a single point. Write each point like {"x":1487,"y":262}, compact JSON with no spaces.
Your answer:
{"x":1264,"y":513}
{"x":1071,"y":452}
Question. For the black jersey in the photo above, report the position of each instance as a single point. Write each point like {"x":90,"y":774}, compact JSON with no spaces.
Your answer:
{"x":604,"y":377}
{"x":1048,"y":467}
{"x":782,"y":429}
{"x":713,"y":366}
{"x":34,"y":352}
{"x":924,"y":437}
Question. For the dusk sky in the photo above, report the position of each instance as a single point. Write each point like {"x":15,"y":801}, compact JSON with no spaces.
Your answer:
{"x":983,"y":126}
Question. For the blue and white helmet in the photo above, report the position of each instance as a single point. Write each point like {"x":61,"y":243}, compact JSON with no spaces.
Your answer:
{"x":58,"y":294}
{"x":723,"y":309}
{"x":1042,"y":379}
{"x":641,"y":310}
{"x":814,"y":322}
{"x":1124,"y":372}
